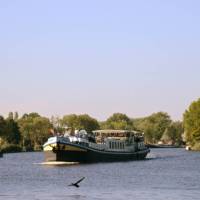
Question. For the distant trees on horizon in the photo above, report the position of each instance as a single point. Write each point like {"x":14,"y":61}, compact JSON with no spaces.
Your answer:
{"x":30,"y":131}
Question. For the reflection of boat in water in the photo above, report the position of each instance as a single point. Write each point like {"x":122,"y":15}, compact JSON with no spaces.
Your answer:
{"x":101,"y":146}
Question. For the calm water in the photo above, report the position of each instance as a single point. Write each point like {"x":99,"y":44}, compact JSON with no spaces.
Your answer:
{"x":166,"y":174}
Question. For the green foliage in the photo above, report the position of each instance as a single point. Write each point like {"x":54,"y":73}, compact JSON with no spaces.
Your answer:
{"x":196,"y":146}
{"x":33,"y":115}
{"x":192,"y":123}
{"x":35,"y":130}
{"x":88,"y":123}
{"x":2,"y":126}
{"x":9,"y":130}
{"x":41,"y":126}
{"x":118,"y":121}
{"x":153,"y":126}
{"x":57,"y":125}
{"x":32,"y":130}
{"x":173,"y":133}
{"x":16,"y":116}
{"x":10,"y":115}
{"x":80,"y":122}
{"x":26,"y":128}
{"x":12,"y":133}
{"x":70,"y":121}
{"x":11,"y":148}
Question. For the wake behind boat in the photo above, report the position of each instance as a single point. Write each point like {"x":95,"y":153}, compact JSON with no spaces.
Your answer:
{"x":100,"y":146}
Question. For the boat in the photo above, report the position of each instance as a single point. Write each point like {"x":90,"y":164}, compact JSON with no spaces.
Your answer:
{"x":188,"y":148}
{"x":100,"y":146}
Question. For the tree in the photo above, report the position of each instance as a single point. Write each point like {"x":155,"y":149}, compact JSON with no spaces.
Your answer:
{"x":70,"y":121}
{"x":10,"y":115}
{"x":191,"y":121}
{"x":153,"y":126}
{"x":16,"y":116}
{"x":2,"y":126}
{"x":26,"y":128}
{"x":146,"y":126}
{"x":35,"y":130}
{"x":33,"y":115}
{"x":12,"y":133}
{"x":57,"y":125}
{"x":9,"y":130}
{"x":118,"y":121}
{"x":41,"y":126}
{"x":85,"y":122}
{"x":173,"y":133}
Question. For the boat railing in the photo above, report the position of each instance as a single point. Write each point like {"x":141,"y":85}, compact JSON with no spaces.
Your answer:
{"x":97,"y":146}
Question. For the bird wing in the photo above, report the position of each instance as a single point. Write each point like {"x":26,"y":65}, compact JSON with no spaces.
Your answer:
{"x":79,"y":180}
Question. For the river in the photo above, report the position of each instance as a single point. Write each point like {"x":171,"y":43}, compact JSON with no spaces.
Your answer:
{"x":166,"y":174}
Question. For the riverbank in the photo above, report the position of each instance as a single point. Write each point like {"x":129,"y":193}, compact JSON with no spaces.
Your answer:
{"x":163,"y":146}
{"x":195,"y":147}
{"x":16,"y":148}
{"x":11,"y":148}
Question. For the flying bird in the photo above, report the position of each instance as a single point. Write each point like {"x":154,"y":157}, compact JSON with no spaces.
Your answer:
{"x":76,"y":183}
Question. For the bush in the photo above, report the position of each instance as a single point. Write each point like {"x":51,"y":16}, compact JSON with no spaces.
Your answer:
{"x":38,"y":148}
{"x":11,"y":148}
{"x":196,"y":147}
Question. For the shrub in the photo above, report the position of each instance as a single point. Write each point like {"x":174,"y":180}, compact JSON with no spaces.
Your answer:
{"x":196,"y":147}
{"x":11,"y":148}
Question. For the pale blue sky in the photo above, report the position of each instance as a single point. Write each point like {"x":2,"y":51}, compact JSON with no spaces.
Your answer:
{"x":99,"y":57}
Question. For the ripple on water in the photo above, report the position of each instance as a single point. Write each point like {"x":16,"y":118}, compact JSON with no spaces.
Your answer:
{"x":165,"y":174}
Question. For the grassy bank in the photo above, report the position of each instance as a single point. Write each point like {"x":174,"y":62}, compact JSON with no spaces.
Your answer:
{"x":196,"y":147}
{"x":11,"y":148}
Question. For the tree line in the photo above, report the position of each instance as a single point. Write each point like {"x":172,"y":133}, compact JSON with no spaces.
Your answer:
{"x":31,"y":131}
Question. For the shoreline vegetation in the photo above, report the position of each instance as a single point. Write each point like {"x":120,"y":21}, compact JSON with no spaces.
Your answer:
{"x":30,"y":131}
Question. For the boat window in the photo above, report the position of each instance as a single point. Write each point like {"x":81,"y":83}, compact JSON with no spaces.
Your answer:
{"x":110,"y":145}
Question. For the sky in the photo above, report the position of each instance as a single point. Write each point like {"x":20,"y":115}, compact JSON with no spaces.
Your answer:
{"x":99,"y":57}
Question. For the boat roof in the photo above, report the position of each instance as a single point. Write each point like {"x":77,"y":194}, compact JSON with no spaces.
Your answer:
{"x":115,"y":132}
